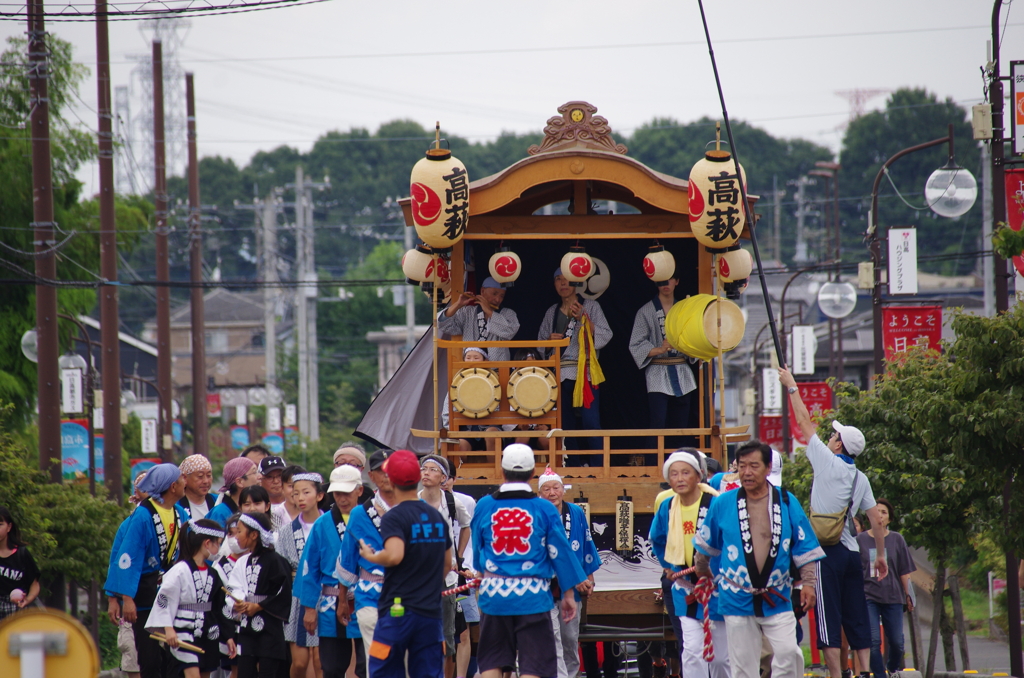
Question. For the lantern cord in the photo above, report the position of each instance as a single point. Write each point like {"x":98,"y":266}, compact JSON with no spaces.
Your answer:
{"x":743,"y":192}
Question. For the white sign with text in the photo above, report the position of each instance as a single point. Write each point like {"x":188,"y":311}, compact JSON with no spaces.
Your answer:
{"x":903,"y":260}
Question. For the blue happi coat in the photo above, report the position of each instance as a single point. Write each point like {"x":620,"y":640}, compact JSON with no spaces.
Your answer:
{"x":519,"y":544}
{"x":581,"y":542}
{"x":222,"y":511}
{"x":725,"y":538}
{"x":353,"y":570}
{"x":137,"y":554}
{"x":682,"y":588}
{"x":316,"y":570}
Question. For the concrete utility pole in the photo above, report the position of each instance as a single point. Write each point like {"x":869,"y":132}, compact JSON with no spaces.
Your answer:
{"x":110,"y":346}
{"x":777,"y":197}
{"x":995,"y":96}
{"x":802,"y":211}
{"x":270,"y":291}
{"x":48,"y":375}
{"x":312,"y":345}
{"x":200,"y":432}
{"x":163,"y":270}
{"x":987,"y":265}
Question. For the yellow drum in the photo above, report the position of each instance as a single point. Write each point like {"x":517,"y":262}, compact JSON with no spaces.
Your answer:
{"x":76,"y":654}
{"x":532,"y":391}
{"x":475,"y":392}
{"x":691,"y":326}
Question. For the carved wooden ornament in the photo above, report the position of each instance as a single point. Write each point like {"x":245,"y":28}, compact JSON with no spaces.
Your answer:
{"x":577,"y":127}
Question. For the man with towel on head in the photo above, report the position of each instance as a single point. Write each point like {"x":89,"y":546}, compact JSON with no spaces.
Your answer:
{"x":149,"y":548}
{"x":198,"y":475}
{"x":480,"y":317}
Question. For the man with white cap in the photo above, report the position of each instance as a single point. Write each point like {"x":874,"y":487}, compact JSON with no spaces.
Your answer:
{"x":749,"y":539}
{"x":675,"y":523}
{"x":518,"y":545}
{"x":581,"y":542}
{"x":480,"y":317}
{"x":198,"y":475}
{"x":435,"y":472}
{"x":316,"y":585}
{"x":838,"y":492}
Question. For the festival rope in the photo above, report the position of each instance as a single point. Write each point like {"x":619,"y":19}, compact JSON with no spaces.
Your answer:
{"x":475,"y":583}
{"x":703,"y":590}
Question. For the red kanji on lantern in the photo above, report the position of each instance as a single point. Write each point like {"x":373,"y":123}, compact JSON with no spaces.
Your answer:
{"x":511,"y":529}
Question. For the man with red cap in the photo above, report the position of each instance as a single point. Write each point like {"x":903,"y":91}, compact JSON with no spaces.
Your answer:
{"x":416,"y":557}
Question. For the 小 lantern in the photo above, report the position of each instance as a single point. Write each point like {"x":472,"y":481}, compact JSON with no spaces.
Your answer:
{"x":659,"y":264}
{"x":505,"y":266}
{"x":716,"y":208}
{"x":736,"y":264}
{"x":577,"y":266}
{"x":439,"y":191}
{"x":418,"y":264}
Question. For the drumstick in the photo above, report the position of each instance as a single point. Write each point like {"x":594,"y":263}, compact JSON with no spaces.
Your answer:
{"x":181,"y":643}
{"x":232,"y":595}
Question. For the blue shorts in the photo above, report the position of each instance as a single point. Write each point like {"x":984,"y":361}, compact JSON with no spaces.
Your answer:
{"x":421,"y":637}
{"x":841,"y":603}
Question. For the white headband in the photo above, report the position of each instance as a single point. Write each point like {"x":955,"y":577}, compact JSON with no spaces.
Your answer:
{"x":687,"y":457}
{"x":266,"y":535}
{"x":208,"y":531}
{"x":546,"y":478}
{"x":314,"y":477}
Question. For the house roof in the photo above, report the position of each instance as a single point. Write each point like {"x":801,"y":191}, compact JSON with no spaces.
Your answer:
{"x":224,"y":306}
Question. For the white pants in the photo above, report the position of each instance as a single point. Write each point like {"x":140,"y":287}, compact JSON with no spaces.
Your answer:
{"x":745,"y":646}
{"x":556,"y":625}
{"x":693,"y":664}
{"x":367,"y":619}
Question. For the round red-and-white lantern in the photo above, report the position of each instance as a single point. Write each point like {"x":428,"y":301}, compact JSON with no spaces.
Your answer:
{"x":505,"y":266}
{"x":418,"y":265}
{"x":577,"y":266}
{"x":439,"y":190}
{"x":716,"y":206}
{"x":659,"y":264}
{"x":735,"y":265}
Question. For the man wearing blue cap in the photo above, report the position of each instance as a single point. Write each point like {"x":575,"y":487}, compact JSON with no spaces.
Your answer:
{"x":479,"y":317}
{"x":148,"y":549}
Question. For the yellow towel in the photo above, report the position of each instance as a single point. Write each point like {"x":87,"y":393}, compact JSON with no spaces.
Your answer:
{"x":675,"y":548}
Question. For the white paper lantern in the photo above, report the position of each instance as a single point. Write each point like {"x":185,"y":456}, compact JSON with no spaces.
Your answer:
{"x":735,"y":265}
{"x":439,"y":189}
{"x":577,"y":266}
{"x":716,"y":206}
{"x":505,"y":266}
{"x":418,"y":264}
{"x":659,"y":264}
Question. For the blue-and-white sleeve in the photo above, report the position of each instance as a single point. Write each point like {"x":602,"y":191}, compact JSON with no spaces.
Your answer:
{"x":602,"y":330}
{"x":708,"y":539}
{"x":347,"y":568}
{"x":126,"y":565}
{"x":804,"y":546}
{"x":567,"y":570}
{"x":547,"y":324}
{"x":503,"y":324}
{"x":659,"y":532}
{"x":307,"y":577}
{"x":591,"y":557}
{"x":476,"y":526}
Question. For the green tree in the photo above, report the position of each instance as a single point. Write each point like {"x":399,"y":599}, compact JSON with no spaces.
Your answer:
{"x":911,"y":117}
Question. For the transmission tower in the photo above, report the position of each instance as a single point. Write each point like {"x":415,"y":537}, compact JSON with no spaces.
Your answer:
{"x":172,"y":33}
{"x":857,"y":98}
{"x":125,"y":181}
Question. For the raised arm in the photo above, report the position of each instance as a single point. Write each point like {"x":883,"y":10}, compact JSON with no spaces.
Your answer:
{"x":803,"y":417}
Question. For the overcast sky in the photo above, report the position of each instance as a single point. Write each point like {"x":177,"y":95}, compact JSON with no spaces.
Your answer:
{"x":286,"y":76}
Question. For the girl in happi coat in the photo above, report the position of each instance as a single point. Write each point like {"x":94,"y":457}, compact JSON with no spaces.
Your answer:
{"x":261,"y":585}
{"x":230,"y":553}
{"x":291,"y":542}
{"x":190,"y":604}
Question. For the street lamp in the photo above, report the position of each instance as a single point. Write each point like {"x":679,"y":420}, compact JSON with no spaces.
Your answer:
{"x":953,"y":192}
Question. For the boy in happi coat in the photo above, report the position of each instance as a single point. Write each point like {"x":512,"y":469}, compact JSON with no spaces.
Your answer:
{"x":147,"y":549}
{"x":518,"y":545}
{"x":317,"y":585}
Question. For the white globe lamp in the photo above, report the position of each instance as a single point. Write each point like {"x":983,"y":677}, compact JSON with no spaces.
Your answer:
{"x":837,"y":299}
{"x":951,"y":190}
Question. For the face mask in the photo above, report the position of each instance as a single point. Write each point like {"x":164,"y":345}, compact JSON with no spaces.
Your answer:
{"x":234,"y":546}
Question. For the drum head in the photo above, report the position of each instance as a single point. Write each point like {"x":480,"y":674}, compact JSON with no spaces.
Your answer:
{"x":532,"y":391}
{"x":733,"y":325}
{"x":475,"y":392}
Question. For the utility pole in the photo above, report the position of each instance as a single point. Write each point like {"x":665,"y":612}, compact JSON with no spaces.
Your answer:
{"x":312,"y":347}
{"x":995,"y":96}
{"x":270,"y":290}
{"x":777,"y":197}
{"x":48,"y":376}
{"x":163,"y":272}
{"x":802,"y":211}
{"x":200,"y":430}
{"x":110,"y":347}
{"x":303,"y":265}
{"x":988,"y":268}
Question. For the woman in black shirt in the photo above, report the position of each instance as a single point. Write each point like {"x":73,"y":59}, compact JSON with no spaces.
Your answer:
{"x":19,"y":576}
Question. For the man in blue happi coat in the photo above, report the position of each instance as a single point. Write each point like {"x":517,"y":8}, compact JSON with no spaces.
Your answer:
{"x":519,"y":543}
{"x":581,"y":543}
{"x":749,"y":539}
{"x":148,"y":548}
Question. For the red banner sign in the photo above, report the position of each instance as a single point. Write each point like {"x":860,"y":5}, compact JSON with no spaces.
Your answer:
{"x":817,"y":396}
{"x":907,"y":326}
{"x":1015,"y":207}
{"x":213,"y":405}
{"x":769,"y":430}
